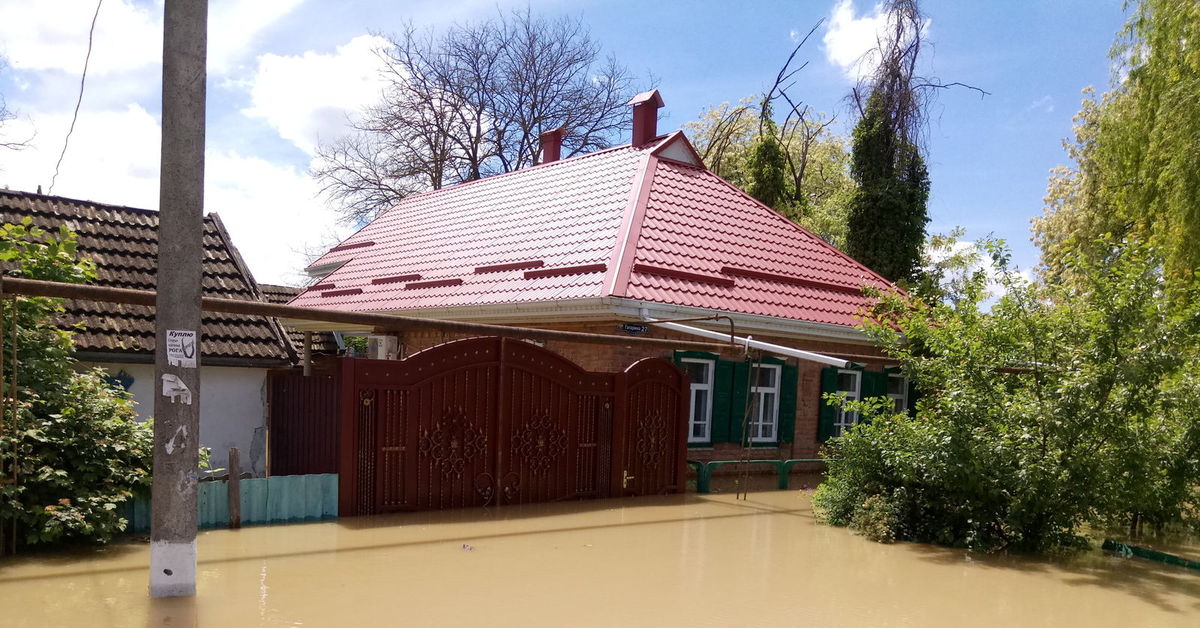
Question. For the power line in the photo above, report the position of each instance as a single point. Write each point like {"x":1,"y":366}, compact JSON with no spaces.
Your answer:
{"x":82,"y":80}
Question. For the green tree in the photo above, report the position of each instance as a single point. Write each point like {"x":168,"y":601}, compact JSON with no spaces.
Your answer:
{"x":76,"y":445}
{"x":767,"y":165}
{"x":800,"y":168}
{"x":1136,"y":169}
{"x":887,"y":218}
{"x":1061,"y":407}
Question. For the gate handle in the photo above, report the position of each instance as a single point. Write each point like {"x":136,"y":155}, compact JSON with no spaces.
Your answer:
{"x":625,"y":478}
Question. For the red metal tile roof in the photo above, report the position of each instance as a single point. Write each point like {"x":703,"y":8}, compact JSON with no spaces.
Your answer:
{"x":622,"y":222}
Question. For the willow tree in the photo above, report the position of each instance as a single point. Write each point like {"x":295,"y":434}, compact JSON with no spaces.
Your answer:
{"x":1136,"y":170}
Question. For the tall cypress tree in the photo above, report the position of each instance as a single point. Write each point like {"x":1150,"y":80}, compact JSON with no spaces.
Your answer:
{"x":767,"y":163}
{"x":886,"y":226}
{"x":888,"y":211}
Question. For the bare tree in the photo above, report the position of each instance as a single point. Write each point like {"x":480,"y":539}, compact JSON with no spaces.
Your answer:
{"x":7,"y":115}
{"x":472,"y":102}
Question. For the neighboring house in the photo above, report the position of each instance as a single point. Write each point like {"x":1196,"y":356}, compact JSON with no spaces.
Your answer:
{"x":633,"y":233}
{"x":323,"y":343}
{"x":236,"y":350}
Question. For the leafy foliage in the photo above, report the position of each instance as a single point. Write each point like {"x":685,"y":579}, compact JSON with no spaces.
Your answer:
{"x":767,"y":164}
{"x":1058,"y":409}
{"x":1136,"y":170}
{"x":79,"y":451}
{"x":800,"y":169}
{"x":886,"y":226}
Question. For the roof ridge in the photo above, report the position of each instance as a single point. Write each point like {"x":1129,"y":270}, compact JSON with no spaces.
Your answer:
{"x":792,"y":224}
{"x":462,"y":184}
{"x":35,"y":195}
{"x":646,"y":149}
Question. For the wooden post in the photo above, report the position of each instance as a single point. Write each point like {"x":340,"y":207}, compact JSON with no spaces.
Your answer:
{"x":307,"y":353}
{"x":235,"y":489}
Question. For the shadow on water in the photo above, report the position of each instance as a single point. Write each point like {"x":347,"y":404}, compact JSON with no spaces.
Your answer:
{"x":1151,"y":582}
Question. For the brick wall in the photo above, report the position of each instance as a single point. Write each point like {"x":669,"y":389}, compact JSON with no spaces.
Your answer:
{"x":615,"y":358}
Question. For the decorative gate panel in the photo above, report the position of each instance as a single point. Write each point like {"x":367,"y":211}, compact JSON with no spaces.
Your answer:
{"x":653,"y":435}
{"x":490,"y":421}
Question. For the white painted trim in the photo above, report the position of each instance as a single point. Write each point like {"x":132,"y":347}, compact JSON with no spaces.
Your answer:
{"x":708,"y":386}
{"x":591,"y":309}
{"x":172,"y":569}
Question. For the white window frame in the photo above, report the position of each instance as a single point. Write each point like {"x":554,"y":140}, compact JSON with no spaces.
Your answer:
{"x":760,"y":409}
{"x":846,"y":419}
{"x":708,"y":410}
{"x":902,"y":396}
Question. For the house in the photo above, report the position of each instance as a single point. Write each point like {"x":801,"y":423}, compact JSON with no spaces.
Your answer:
{"x":236,"y":350}
{"x":611,"y":242}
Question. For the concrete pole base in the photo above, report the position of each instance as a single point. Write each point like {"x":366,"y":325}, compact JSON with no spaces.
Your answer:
{"x":172,"y":569}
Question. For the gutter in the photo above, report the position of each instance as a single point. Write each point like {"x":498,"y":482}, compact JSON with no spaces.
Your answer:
{"x":750,"y":342}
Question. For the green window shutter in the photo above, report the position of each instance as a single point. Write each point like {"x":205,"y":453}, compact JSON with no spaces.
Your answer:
{"x":787,"y":403}
{"x":722,"y":399}
{"x":829,"y":377}
{"x":874,"y":384}
{"x":737,"y":405}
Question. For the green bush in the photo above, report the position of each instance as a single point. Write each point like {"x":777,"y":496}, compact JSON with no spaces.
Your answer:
{"x":78,"y":448}
{"x":1056,"y":410}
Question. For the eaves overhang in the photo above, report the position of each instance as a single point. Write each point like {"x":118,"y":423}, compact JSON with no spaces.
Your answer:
{"x":595,"y":309}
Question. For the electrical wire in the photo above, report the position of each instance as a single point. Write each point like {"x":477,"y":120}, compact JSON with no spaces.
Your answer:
{"x":82,"y":81}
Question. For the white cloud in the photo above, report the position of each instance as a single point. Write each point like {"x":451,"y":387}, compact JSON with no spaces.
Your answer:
{"x":1044,"y":104}
{"x":52,"y":35}
{"x":271,"y":210}
{"x":233,"y":26}
{"x":851,"y":40}
{"x":848,"y":38}
{"x":113,"y":156}
{"x":308,"y":97}
{"x":978,"y":260}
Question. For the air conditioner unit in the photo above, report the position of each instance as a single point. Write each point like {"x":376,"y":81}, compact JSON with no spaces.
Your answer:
{"x":383,"y":347}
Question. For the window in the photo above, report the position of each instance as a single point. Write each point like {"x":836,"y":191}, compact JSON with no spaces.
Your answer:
{"x":722,"y":391}
{"x":700,"y":372}
{"x":764,"y":391}
{"x":897,"y":389}
{"x":849,"y":383}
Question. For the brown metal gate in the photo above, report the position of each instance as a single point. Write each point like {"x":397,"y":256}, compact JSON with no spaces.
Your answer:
{"x":496,"y":421}
{"x":302,"y":424}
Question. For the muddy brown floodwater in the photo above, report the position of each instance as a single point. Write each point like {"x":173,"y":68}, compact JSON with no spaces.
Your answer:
{"x":663,"y":561}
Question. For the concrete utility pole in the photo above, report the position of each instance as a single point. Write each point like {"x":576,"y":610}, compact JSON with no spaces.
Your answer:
{"x":177,"y":309}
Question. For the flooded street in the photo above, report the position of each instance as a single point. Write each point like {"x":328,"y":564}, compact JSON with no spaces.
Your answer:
{"x":707,"y":560}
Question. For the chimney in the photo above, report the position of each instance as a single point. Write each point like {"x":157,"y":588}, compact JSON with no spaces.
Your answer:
{"x":552,"y":144}
{"x":645,"y":116}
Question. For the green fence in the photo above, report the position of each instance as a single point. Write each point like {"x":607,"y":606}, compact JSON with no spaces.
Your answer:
{"x":279,"y":499}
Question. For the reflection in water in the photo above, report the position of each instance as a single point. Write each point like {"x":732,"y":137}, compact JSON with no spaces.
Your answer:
{"x":658,"y":561}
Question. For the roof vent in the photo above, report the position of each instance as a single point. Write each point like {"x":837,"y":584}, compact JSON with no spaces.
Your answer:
{"x":645,"y":116}
{"x":552,"y":144}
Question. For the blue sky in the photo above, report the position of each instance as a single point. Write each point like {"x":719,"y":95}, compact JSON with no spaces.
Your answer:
{"x":285,"y":73}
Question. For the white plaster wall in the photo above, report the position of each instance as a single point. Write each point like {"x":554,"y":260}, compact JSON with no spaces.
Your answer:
{"x":233,"y":409}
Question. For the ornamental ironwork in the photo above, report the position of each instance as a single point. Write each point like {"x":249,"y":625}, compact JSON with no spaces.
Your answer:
{"x":652,"y":439}
{"x":540,"y":442}
{"x":453,"y":442}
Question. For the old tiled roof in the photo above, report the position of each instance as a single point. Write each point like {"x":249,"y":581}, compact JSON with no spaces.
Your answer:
{"x":322,"y":342}
{"x":123,"y":243}
{"x":633,"y":222}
